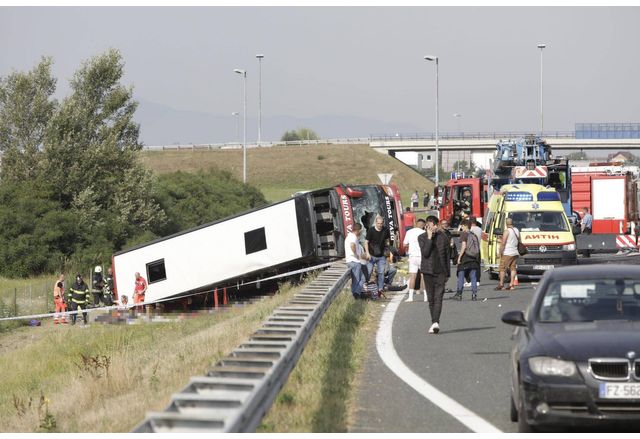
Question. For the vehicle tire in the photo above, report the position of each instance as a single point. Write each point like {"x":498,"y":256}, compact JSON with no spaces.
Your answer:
{"x":523,"y":426}
{"x":514,"y":410}
{"x":493,"y":276}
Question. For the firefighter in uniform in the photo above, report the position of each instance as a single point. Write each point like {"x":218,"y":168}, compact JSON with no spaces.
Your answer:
{"x":108,"y":288}
{"x":79,"y":298}
{"x":463,"y":208}
{"x":97,"y":287}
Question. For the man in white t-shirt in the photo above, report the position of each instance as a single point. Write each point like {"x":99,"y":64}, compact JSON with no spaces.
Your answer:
{"x":353,"y":254}
{"x":412,"y":248}
{"x":508,"y":254}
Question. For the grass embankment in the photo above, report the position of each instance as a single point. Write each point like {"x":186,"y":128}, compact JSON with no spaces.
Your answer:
{"x":320,"y":393}
{"x":283,"y":170}
{"x":104,"y":378}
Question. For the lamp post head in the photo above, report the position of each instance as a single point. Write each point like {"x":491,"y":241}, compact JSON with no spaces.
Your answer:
{"x":260,"y":56}
{"x":235,"y":113}
{"x":457,"y":115}
{"x":541,"y":46}
{"x":240,"y":71}
{"x":431,"y":58}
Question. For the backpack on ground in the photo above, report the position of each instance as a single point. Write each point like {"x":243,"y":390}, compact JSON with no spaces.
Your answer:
{"x":473,"y":246}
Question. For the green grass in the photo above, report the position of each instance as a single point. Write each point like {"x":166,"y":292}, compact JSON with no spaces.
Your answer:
{"x":127,"y":370}
{"x":280,"y":171}
{"x":319,"y":395}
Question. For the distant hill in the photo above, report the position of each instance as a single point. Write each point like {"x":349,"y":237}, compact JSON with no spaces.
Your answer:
{"x":164,"y":125}
{"x":282,"y":171}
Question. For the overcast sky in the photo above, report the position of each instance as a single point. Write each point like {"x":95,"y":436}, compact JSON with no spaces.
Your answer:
{"x":361,"y":63}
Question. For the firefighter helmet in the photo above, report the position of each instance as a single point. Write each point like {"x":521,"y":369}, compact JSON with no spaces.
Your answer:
{"x":98,"y":269}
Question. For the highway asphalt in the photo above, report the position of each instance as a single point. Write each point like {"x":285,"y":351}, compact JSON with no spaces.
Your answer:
{"x":468,"y":361}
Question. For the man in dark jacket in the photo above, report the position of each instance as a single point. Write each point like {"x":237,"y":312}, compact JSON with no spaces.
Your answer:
{"x":79,"y":298}
{"x":436,"y":268}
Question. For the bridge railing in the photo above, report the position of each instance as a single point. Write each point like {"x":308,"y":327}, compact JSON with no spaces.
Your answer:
{"x":363,"y":140}
{"x":469,"y":135}
{"x":236,"y":145}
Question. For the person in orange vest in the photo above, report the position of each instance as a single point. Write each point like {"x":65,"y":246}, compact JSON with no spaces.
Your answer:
{"x":139,"y":291}
{"x":58,"y":300}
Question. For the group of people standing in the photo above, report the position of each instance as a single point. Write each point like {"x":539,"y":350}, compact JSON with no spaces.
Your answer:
{"x":431,"y":250}
{"x":363,"y":256}
{"x":415,"y":199}
{"x":80,"y":296}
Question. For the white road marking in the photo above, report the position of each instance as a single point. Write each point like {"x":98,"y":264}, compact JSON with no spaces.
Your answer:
{"x":386,"y":350}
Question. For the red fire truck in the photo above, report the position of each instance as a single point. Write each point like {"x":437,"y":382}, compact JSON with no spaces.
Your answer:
{"x":610,"y":192}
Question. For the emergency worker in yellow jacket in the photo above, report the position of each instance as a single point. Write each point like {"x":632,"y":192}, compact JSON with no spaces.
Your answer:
{"x":79,"y":296}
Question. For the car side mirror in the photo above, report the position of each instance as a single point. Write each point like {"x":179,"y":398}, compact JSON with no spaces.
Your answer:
{"x":515,"y":318}
{"x":497,"y":231}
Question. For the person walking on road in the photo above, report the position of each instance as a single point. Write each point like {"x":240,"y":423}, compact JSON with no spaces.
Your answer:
{"x":509,"y":254}
{"x":436,"y":268}
{"x":377,"y":239}
{"x":468,"y":261}
{"x":352,"y":251}
{"x":587,"y":221}
{"x":412,"y":249}
{"x":59,"y":302}
{"x":425,"y":199}
{"x":79,"y":297}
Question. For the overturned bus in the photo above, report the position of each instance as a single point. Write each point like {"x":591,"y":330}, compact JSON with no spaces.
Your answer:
{"x":307,"y":229}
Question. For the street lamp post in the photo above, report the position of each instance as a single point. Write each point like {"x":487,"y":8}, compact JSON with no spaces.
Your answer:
{"x":244,"y":122}
{"x":435,"y":58}
{"x":259,"y":56}
{"x":541,"y":46}
{"x":236,"y":117}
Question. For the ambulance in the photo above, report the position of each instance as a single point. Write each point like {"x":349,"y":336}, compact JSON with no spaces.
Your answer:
{"x":545,"y":230}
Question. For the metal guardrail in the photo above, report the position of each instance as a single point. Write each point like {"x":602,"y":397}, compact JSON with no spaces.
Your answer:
{"x":236,"y":145}
{"x":237,"y":392}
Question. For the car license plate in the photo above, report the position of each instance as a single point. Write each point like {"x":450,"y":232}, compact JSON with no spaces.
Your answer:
{"x":620,"y":390}
{"x":542,"y":267}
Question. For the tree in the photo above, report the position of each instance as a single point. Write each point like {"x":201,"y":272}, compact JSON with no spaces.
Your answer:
{"x":191,"y":200}
{"x":91,"y":155}
{"x":299,"y":134}
{"x":38,"y":236}
{"x":26,"y":108}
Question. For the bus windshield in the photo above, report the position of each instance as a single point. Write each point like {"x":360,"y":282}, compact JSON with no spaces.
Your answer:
{"x":539,"y":221}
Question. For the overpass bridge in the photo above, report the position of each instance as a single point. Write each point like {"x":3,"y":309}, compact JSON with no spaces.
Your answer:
{"x":481,"y":142}
{"x":486,"y":142}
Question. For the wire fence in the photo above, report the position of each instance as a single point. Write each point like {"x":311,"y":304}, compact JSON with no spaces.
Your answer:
{"x":28,"y":299}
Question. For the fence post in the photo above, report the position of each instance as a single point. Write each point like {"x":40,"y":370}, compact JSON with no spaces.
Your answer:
{"x":15,"y":301}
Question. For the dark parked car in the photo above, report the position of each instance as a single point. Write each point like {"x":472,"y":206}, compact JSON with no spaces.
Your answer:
{"x":576,"y":357}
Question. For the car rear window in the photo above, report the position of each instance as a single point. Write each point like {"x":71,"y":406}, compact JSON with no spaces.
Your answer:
{"x":591,"y":300}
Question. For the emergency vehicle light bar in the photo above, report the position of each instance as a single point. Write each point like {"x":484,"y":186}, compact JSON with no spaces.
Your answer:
{"x":548,"y":196}
{"x":518,"y":196}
